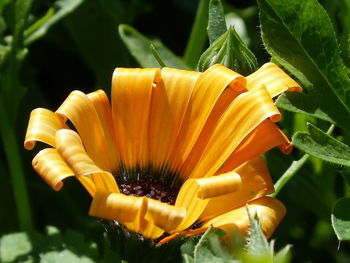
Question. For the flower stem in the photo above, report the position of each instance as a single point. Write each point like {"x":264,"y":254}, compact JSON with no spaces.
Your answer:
{"x":293,"y":169}
{"x":12,"y":152}
{"x":198,"y":37}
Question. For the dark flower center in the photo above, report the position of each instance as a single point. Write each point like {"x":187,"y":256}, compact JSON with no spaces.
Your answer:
{"x":158,"y":185}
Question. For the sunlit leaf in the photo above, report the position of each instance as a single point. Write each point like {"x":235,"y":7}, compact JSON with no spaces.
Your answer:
{"x":341,"y":218}
{"x":14,"y":246}
{"x":140,"y":48}
{"x":299,"y":35}
{"x":323,"y":146}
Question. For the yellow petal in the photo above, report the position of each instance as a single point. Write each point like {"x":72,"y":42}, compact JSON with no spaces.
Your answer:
{"x":70,"y":147}
{"x":188,"y":198}
{"x":51,"y":167}
{"x":275,"y":80}
{"x":220,"y":107}
{"x":219,"y":185}
{"x":116,"y":206}
{"x":79,"y":109}
{"x":170,"y":98}
{"x":103,"y":108}
{"x":243,"y":115}
{"x":269,"y":210}
{"x":263,"y":138}
{"x":167,"y":217}
{"x":131,"y":98}
{"x":42,"y":127}
{"x":206,"y":93}
{"x":256,"y":182}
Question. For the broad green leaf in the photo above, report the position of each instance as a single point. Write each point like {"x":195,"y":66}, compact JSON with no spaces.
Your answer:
{"x":140,"y":48}
{"x":216,"y":21}
{"x":302,"y":103}
{"x":14,"y":246}
{"x":58,"y":11}
{"x":299,"y":36}
{"x":230,"y":51}
{"x":341,"y":218}
{"x":317,"y":143}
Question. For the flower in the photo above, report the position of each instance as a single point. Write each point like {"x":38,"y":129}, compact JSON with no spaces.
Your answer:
{"x":176,"y":151}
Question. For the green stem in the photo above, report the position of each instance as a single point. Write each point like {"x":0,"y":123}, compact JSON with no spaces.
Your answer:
{"x":12,"y":152}
{"x":157,"y":56}
{"x":287,"y":175}
{"x":198,"y":37}
{"x":293,"y":169}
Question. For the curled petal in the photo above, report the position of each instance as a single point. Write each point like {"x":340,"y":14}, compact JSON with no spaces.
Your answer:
{"x":256,"y":182}
{"x":269,"y":210}
{"x":70,"y":147}
{"x":42,"y":127}
{"x":115,"y":206}
{"x":275,"y":80}
{"x":51,"y":167}
{"x":218,"y":185}
{"x":79,"y":109}
{"x":167,"y":217}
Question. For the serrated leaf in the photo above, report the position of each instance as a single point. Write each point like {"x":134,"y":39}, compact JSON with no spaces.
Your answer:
{"x":140,"y":48}
{"x":299,"y":35}
{"x":256,"y":243}
{"x":58,"y":11}
{"x":319,"y":144}
{"x":13,"y":246}
{"x":216,"y":21}
{"x":341,"y":218}
{"x":302,"y":103}
{"x":230,"y":51}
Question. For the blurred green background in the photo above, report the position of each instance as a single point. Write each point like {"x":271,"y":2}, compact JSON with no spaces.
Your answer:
{"x":81,"y":51}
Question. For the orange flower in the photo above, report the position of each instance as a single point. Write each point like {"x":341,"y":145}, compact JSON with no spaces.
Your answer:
{"x":175,"y":150}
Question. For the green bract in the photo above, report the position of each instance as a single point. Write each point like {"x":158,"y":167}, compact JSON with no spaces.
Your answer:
{"x":230,"y":51}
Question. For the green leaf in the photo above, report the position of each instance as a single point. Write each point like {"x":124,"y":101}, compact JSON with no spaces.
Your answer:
{"x":208,"y":248}
{"x":341,"y":218}
{"x":302,"y":103}
{"x":299,"y":35}
{"x":258,"y":249}
{"x":317,"y":143}
{"x":216,"y":21}
{"x":140,"y":48}
{"x":257,"y":243}
{"x":230,"y":51}
{"x":59,"y":10}
{"x":14,"y":246}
